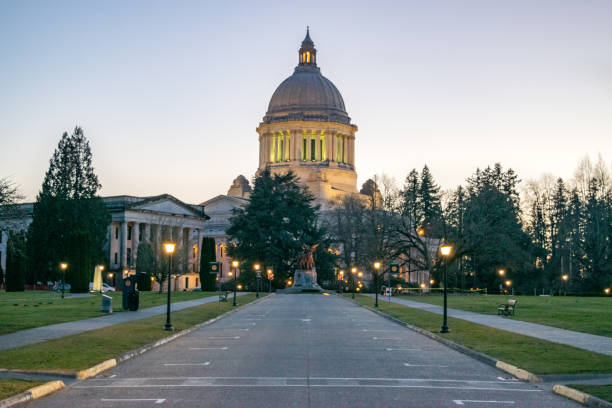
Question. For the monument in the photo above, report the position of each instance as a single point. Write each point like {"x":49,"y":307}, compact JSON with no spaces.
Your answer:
{"x":305,"y":277}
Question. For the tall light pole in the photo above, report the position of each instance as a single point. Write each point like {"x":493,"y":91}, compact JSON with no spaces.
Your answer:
{"x":169,"y":248}
{"x":445,"y":250}
{"x":63,"y":267}
{"x":501,"y":273}
{"x":353,"y":273}
{"x":235,"y":265}
{"x":270,"y":273}
{"x":565,"y":279}
{"x":377,"y":266}
{"x":257,"y":268}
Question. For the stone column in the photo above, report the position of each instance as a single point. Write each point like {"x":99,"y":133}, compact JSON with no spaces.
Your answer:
{"x":181,"y":248}
{"x":288,"y":145}
{"x":135,"y":241}
{"x":333,"y":146}
{"x":308,"y":152}
{"x":123,"y":245}
{"x":328,"y":146}
{"x":147,"y":233}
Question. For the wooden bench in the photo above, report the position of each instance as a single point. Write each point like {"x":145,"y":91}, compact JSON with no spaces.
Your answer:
{"x":507,"y":309}
{"x":223,"y":296}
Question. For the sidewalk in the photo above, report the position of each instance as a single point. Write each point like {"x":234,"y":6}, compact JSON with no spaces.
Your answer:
{"x":54,"y":331}
{"x":585,"y":341}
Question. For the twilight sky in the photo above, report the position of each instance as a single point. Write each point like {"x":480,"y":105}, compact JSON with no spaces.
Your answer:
{"x":169,"y":93}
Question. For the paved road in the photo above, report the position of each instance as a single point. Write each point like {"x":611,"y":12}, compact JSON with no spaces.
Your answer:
{"x":585,"y":341}
{"x":303,"y":351}
{"x":54,"y":331}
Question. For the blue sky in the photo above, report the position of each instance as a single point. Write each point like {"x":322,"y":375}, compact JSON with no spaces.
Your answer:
{"x":170,"y":93}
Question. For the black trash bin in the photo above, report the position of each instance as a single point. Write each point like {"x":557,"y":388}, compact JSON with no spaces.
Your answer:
{"x":130,"y":294}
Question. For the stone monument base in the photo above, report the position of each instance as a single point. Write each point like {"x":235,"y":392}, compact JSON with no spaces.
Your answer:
{"x":304,"y":280}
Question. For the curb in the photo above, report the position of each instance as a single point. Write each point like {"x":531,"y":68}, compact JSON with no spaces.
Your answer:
{"x":95,"y":370}
{"x":32,"y":394}
{"x":581,"y":397}
{"x":510,"y":369}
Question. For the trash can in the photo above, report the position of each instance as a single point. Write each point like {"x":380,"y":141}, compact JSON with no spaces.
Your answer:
{"x":130,"y":294}
{"x":133,"y":300}
{"x":107,"y":304}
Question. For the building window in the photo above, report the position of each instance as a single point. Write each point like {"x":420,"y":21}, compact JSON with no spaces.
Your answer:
{"x":116,"y":258}
{"x":304,"y":145}
{"x":186,"y":282}
{"x":323,"y":148}
{"x":139,"y":234}
{"x":116,"y":232}
{"x":129,"y":233}
{"x":129,"y":256}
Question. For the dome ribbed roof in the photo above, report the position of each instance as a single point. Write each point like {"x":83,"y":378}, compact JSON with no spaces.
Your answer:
{"x":307,"y":95}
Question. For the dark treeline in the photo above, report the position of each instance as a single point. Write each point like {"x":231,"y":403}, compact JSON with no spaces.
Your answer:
{"x":556,"y":237}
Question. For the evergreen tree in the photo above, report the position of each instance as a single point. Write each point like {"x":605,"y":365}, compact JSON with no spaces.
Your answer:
{"x":16,"y":262}
{"x":410,"y":196}
{"x":69,"y":221}
{"x":429,"y":205}
{"x":273,"y":228}
{"x":145,"y":266}
{"x":208,"y":255}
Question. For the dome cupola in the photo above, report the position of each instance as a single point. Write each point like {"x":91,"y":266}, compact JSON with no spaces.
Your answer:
{"x":307,"y":95}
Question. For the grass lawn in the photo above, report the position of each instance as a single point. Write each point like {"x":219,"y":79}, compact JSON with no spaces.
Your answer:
{"x":600,"y":391}
{"x":10,"y":387}
{"x":25,"y":310}
{"x":584,"y":314}
{"x":529,"y":353}
{"x":84,"y":350}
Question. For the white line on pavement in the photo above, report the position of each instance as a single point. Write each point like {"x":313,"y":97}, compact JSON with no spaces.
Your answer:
{"x":385,"y":338}
{"x":157,"y":400}
{"x":403,"y":349}
{"x":461,"y":402}
{"x":424,"y":365}
{"x":225,"y":337}
{"x":188,"y":364}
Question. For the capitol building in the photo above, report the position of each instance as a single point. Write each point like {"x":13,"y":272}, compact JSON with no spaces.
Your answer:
{"x":306,"y":129}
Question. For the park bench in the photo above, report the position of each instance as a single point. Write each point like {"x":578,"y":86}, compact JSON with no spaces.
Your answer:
{"x":507,"y":309}
{"x":223,"y":296}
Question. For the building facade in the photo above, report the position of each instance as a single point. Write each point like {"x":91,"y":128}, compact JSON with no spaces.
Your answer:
{"x":306,"y":130}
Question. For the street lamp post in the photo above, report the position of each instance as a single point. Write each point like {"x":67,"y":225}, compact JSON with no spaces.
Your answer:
{"x":63,"y":267}
{"x":501,"y":273}
{"x":270,"y":273}
{"x":235,"y":265}
{"x":169,"y":248}
{"x":377,"y":269}
{"x":341,"y":280}
{"x":445,"y":250}
{"x":257,"y":268}
{"x":565,"y":279}
{"x":353,"y":272}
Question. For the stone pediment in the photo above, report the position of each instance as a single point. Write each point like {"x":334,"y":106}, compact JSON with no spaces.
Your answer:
{"x":223,"y":204}
{"x":169,"y":205}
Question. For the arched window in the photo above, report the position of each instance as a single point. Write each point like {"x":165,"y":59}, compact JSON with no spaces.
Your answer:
{"x":308,"y":56}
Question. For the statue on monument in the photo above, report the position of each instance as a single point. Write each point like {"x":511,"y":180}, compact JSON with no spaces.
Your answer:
{"x":305,"y":277}
{"x":306,"y":260}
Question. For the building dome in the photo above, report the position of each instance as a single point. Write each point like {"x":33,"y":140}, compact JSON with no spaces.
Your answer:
{"x":307,"y":95}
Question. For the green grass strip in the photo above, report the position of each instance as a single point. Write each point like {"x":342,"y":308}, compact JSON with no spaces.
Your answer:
{"x":26,"y":310}
{"x":583,"y":314}
{"x":10,"y":387}
{"x":529,"y":353}
{"x":81,"y":351}
{"x":603,"y":392}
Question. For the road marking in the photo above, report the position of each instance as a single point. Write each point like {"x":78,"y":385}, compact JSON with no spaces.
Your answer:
{"x":305,"y":320}
{"x":225,"y":337}
{"x":381,"y":330}
{"x":385,"y":338}
{"x":461,"y":402}
{"x":157,"y":400}
{"x":208,"y":348}
{"x":424,"y":365}
{"x":403,"y":349}
{"x":113,"y":376}
{"x":188,"y":364}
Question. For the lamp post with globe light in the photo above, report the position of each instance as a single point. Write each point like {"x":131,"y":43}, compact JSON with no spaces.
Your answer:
{"x":63,"y":267}
{"x":445,"y":250}
{"x":377,"y":266}
{"x":257,"y":268}
{"x":169,"y":248}
{"x":235,"y":265}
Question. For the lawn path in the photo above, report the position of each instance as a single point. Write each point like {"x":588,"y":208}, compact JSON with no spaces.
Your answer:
{"x":585,"y":341}
{"x":54,"y":331}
